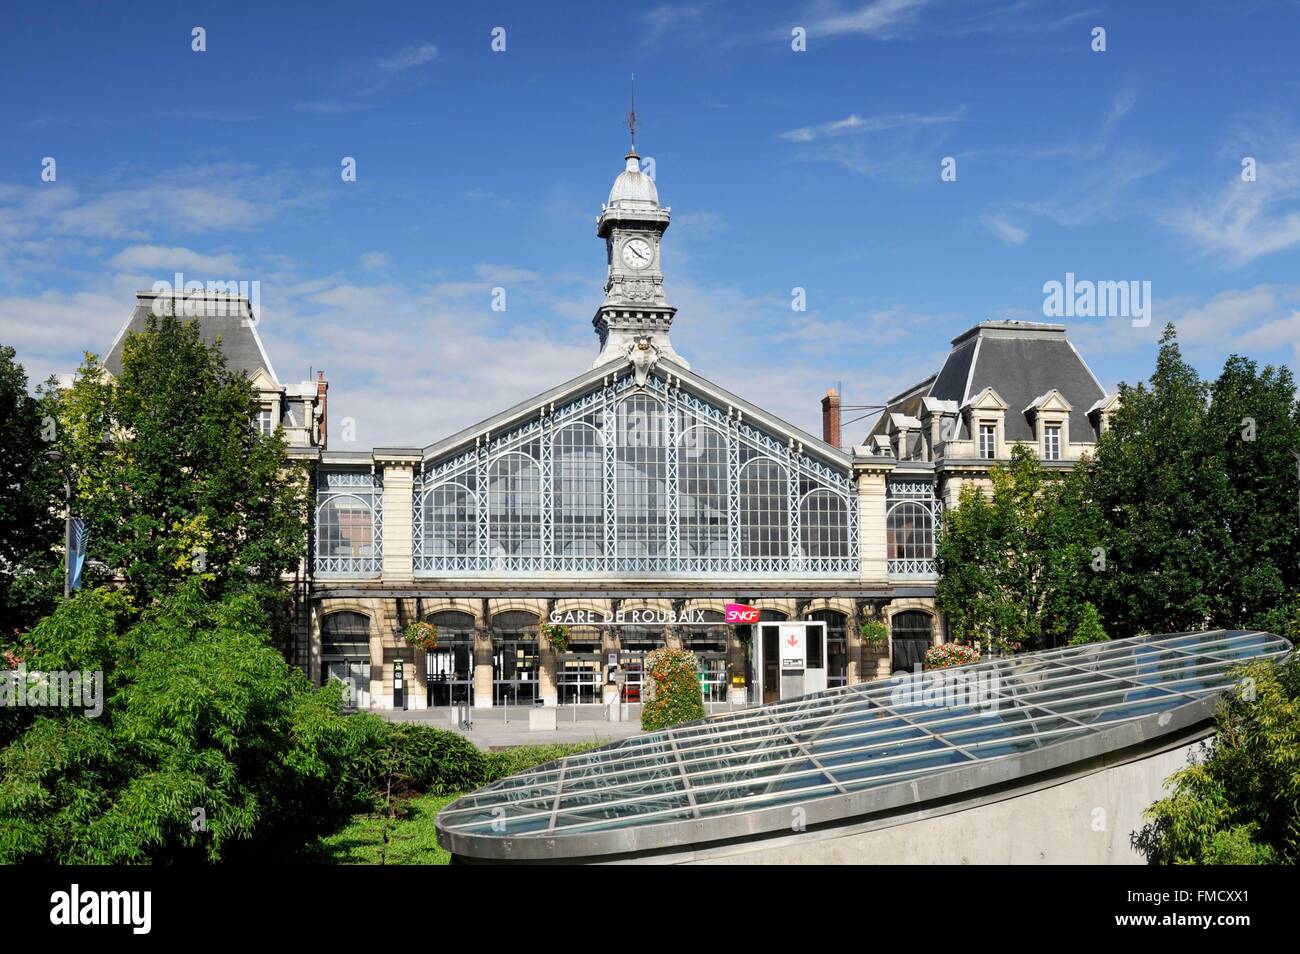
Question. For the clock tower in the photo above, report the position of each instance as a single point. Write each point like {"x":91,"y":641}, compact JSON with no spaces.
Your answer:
{"x":634,"y":311}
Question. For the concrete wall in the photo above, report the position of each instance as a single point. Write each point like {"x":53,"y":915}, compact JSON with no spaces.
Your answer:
{"x":1085,"y":820}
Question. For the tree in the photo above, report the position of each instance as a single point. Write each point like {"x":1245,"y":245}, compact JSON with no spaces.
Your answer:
{"x":208,"y":747}
{"x":1240,"y":804}
{"x":1193,"y":490}
{"x":31,"y":497}
{"x":1159,"y":490}
{"x":1089,"y":629}
{"x":171,"y":476}
{"x":1014,"y":564}
{"x":1253,"y":424}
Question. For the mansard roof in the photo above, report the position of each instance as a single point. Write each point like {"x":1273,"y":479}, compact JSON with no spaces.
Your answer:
{"x":227,"y":317}
{"x":595,"y":378}
{"x":1020,"y":360}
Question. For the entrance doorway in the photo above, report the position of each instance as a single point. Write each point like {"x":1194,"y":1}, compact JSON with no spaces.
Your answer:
{"x":911,"y":633}
{"x":354,"y":674}
{"x":791,"y":659}
{"x":450,"y":664}
{"x":516,"y":660}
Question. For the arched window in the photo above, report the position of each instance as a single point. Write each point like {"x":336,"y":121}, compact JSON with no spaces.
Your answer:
{"x":764,"y":509}
{"x":348,"y":524}
{"x":452,"y":623}
{"x":702,"y":507}
{"x":450,"y":521}
{"x":578,"y":494}
{"x":909,"y":528}
{"x":515,"y":506}
{"x":345,"y":634}
{"x":823,"y":525}
{"x":641,"y":466}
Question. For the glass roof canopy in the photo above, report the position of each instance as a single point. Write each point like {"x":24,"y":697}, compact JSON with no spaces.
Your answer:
{"x":858,"y":750}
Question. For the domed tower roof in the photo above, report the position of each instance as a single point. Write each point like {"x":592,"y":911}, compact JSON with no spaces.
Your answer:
{"x":633,"y":189}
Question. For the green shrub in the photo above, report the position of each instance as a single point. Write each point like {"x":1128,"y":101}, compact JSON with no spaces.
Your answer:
{"x":1089,"y":629}
{"x":1240,"y":804}
{"x":671,"y":690}
{"x":437,"y":761}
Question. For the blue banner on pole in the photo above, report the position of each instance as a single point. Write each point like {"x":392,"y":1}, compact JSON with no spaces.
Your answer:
{"x":77,"y":555}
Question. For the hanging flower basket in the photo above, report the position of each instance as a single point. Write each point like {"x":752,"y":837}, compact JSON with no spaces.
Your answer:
{"x":421,"y":634}
{"x":874,"y":633}
{"x":557,"y":636}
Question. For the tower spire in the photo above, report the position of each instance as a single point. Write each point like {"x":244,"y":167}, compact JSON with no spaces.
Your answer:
{"x":631,"y":117}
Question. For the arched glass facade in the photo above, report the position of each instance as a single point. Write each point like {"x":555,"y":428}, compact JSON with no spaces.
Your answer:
{"x":628,"y":479}
{"x":348,"y":529}
{"x":910,"y":525}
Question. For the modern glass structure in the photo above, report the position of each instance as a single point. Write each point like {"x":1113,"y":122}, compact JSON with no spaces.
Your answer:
{"x":859,"y":752}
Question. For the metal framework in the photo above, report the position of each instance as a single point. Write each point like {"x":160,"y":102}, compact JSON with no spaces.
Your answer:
{"x":856,"y":751}
{"x":911,"y":525}
{"x":348,"y":529}
{"x":630,"y":479}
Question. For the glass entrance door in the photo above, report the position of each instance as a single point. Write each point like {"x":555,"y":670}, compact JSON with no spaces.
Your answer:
{"x":451,"y":674}
{"x":354,"y":674}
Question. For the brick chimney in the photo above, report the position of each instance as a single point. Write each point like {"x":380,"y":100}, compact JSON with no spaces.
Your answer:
{"x":322,"y":398}
{"x":831,"y":418}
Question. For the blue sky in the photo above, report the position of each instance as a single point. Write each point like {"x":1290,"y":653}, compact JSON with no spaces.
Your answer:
{"x":817,"y":169}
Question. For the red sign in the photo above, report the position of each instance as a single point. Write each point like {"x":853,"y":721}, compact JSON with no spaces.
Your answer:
{"x":741,"y":614}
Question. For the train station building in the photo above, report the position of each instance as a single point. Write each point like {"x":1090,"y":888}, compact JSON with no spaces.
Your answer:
{"x":635,"y":500}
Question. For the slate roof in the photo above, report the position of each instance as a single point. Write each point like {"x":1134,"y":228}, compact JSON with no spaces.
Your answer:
{"x":220,"y":316}
{"x":1021,"y":360}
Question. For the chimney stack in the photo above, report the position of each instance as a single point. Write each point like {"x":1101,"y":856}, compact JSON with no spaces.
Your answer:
{"x":831,"y":418}
{"x":322,"y":398}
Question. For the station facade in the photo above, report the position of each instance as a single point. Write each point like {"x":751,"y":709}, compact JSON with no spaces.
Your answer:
{"x":633,"y":502}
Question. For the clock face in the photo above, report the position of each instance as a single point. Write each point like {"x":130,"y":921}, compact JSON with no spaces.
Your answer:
{"x":637,"y":253}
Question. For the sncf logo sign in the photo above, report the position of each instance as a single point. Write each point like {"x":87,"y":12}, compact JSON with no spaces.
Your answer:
{"x":739,"y":613}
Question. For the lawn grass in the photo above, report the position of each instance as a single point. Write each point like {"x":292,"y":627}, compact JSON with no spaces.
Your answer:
{"x":412,"y":835}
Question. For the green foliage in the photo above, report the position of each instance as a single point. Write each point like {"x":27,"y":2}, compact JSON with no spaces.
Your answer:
{"x":874,"y":633}
{"x":1089,"y":629}
{"x":1014,"y":563}
{"x":557,"y":636}
{"x":1195,"y":489}
{"x":436,"y":761}
{"x":201,"y":712}
{"x":1241,"y":803}
{"x":1186,"y":518}
{"x":671,"y":689}
{"x":170,"y":474}
{"x":502,"y":763}
{"x":31,"y":496}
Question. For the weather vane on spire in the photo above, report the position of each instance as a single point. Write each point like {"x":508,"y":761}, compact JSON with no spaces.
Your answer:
{"x":631,"y":114}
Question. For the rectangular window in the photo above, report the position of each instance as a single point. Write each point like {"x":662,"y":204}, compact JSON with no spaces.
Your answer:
{"x":1052,"y":443}
{"x":265,"y":421}
{"x":988,"y":443}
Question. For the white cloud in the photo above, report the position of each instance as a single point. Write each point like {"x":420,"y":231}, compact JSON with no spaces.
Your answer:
{"x":1004,"y":230}
{"x":868,"y":124}
{"x":162,"y":258}
{"x":409,"y":57}
{"x":881,"y":19}
{"x":375,"y":261}
{"x":1247,"y":220}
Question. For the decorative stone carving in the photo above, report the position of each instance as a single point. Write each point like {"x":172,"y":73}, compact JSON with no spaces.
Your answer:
{"x":643,"y":356}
